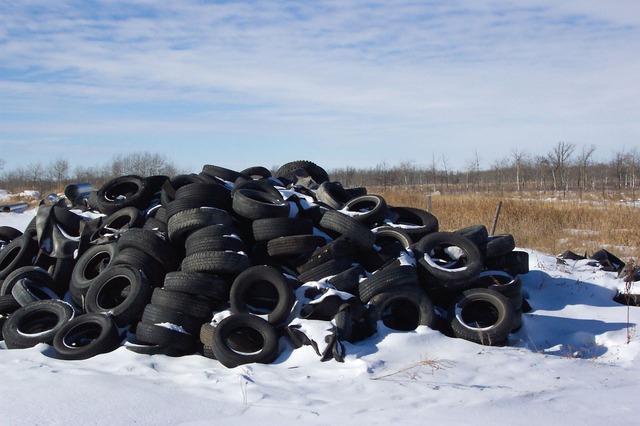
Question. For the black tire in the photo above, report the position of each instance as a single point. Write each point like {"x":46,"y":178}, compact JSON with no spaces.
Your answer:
{"x":296,"y":245}
{"x":348,"y":227}
{"x":210,"y":231}
{"x":86,"y":336}
{"x":88,"y":267}
{"x":197,"y":195}
{"x":186,"y":303}
{"x":222,"y":243}
{"x":120,"y":221}
{"x":386,"y":280}
{"x":476,"y":233}
{"x":122,"y":292}
{"x":333,"y":194}
{"x":402,"y":309}
{"x":271,"y":228}
{"x":499,"y":245}
{"x":165,"y":337}
{"x":216,"y":262}
{"x":36,"y":323}
{"x":370,"y":210}
{"x":242,"y":339}
{"x":181,"y":224}
{"x":198,"y":283}
{"x":448,"y":261}
{"x":340,"y":248}
{"x":222,"y":173}
{"x":19,"y":252}
{"x":415,"y":222}
{"x":124,"y":191}
{"x":348,"y":280}
{"x":256,"y":171}
{"x":252,"y":204}
{"x":482,"y":316}
{"x":262,"y":290}
{"x":8,"y":234}
{"x":506,"y":284}
{"x":152,"y":269}
{"x":152,"y":243}
{"x":36,"y":274}
{"x":8,"y":305}
{"x":289,"y":171}
{"x":153,"y":314}
{"x":27,"y":291}
{"x":327,"y":269}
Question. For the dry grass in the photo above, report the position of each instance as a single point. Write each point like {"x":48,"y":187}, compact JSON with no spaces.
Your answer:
{"x":548,"y":225}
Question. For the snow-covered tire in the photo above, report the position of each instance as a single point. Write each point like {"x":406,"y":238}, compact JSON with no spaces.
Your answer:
{"x":36,"y":323}
{"x":448,"y":261}
{"x":242,"y":339}
{"x":482,"y":316}
{"x":402,"y":309}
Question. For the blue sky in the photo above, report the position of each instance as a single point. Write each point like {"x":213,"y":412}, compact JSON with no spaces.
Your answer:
{"x":340,"y":83}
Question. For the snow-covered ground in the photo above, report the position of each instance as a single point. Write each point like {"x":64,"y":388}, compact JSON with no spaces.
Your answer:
{"x":574,"y":362}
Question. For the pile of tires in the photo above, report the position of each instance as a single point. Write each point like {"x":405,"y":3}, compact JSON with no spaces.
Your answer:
{"x":226,"y":263}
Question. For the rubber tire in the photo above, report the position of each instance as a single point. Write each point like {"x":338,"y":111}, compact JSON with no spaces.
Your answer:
{"x":348,"y":227}
{"x":481,"y":300}
{"x":182,"y":302}
{"x":153,"y":314}
{"x":198,"y":283}
{"x":19,"y":252}
{"x":375,"y":207}
{"x":253,"y":204}
{"x":288,"y":171}
{"x":449,"y":279}
{"x":225,"y":335}
{"x":402,"y":309}
{"x":246,"y":294}
{"x":135,"y":190}
{"x":166,"y":337}
{"x":88,"y":267}
{"x":31,"y":324}
{"x":28,"y":291}
{"x":499,"y":245}
{"x":386,"y":280}
{"x":33,"y":273}
{"x":99,"y":329}
{"x":271,"y":228}
{"x":105,"y":294}
{"x":420,"y":222}
{"x":222,"y":243}
{"x":152,"y":243}
{"x":296,"y":245}
{"x":216,"y":262}
{"x":9,"y":233}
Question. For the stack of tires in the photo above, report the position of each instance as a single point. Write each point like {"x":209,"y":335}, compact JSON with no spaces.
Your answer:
{"x":212,"y":262}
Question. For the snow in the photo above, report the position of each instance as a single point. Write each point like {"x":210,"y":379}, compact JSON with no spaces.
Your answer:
{"x":574,"y":362}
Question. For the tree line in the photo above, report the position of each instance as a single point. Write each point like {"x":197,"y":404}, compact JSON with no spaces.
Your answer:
{"x":565,"y":168}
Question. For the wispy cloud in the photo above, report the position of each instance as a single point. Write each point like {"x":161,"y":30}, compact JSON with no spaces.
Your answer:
{"x":424,"y":77}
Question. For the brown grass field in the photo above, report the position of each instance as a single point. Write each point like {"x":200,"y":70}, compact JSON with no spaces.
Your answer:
{"x":547,"y":223}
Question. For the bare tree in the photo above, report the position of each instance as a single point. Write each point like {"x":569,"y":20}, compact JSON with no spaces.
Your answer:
{"x":583,"y":161}
{"x":142,"y":164}
{"x":59,"y":170}
{"x":518,"y":160}
{"x":559,"y":158}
